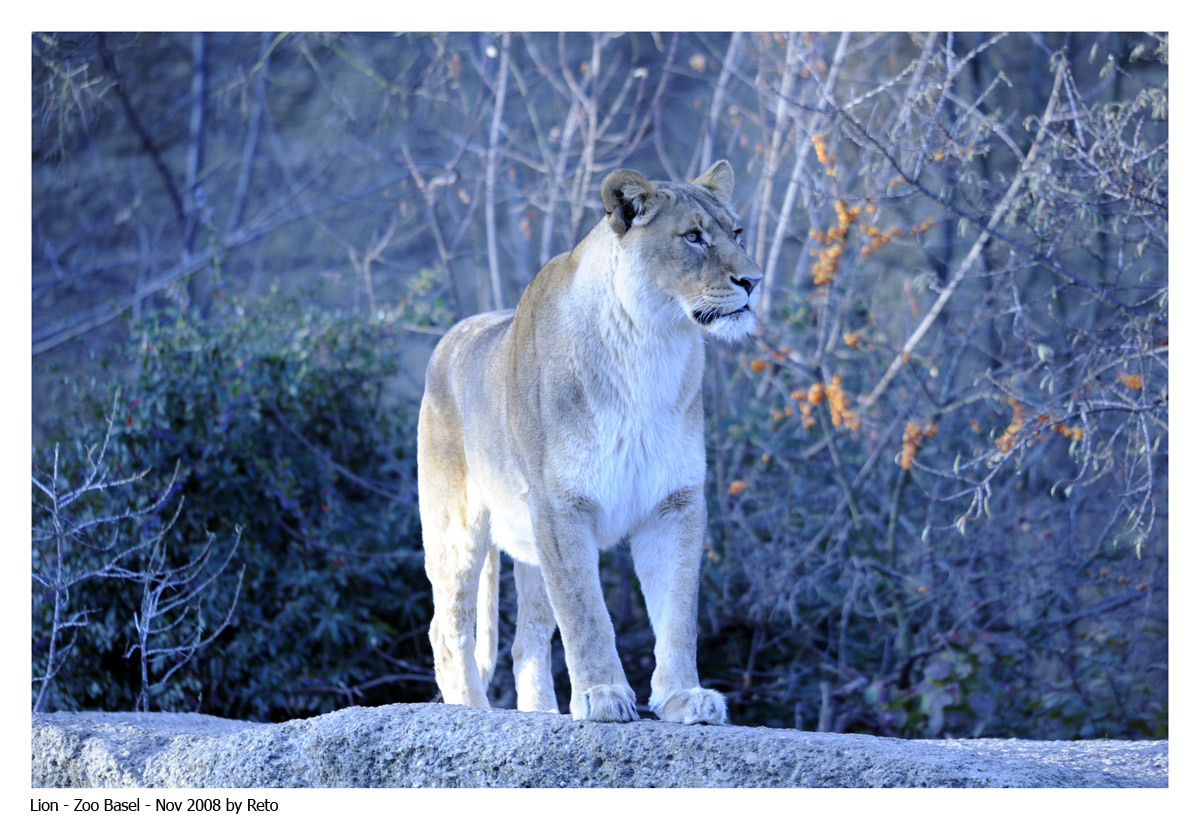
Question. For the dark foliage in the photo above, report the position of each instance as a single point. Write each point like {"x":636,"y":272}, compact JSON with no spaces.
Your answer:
{"x":280,"y":421}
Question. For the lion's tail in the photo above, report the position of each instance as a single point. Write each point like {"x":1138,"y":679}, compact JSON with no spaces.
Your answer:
{"x":487,"y":632}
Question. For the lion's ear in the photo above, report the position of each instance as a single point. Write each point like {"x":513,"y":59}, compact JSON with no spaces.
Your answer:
{"x":625,"y":194}
{"x":718,"y":179}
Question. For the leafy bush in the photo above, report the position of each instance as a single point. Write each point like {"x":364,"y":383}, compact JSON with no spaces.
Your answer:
{"x":281,"y":423}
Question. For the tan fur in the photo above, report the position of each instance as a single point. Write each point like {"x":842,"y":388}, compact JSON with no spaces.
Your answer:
{"x":554,"y":430}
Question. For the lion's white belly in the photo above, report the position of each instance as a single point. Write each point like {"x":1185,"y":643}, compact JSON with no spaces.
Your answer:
{"x":512,"y":528}
{"x":505,"y":495}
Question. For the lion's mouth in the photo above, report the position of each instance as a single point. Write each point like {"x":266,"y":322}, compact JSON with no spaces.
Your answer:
{"x":709,"y":315}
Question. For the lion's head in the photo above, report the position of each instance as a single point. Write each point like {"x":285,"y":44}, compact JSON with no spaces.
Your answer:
{"x":682,"y":250}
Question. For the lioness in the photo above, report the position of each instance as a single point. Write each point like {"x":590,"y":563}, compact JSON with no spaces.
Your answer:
{"x":554,"y":430}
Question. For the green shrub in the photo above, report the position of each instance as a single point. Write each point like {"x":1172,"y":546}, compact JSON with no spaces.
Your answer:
{"x":282,"y":422}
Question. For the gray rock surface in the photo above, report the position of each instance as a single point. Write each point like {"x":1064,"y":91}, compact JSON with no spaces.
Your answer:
{"x":440,"y":745}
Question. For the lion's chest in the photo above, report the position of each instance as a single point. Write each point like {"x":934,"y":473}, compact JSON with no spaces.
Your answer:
{"x":626,"y":470}
{"x":623,"y":457}
{"x":642,"y":438}
{"x":634,"y":464}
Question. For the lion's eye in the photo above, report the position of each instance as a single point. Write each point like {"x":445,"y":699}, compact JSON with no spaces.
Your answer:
{"x":737,"y":235}
{"x":694,"y":236}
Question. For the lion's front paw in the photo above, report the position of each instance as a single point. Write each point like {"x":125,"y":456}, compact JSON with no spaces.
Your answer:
{"x":696,"y":705}
{"x":606,"y":704}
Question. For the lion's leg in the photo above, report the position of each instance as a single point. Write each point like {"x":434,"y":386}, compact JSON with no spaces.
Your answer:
{"x":569,"y":561}
{"x":531,"y":647}
{"x":667,"y":553}
{"x":453,"y":560}
{"x":487,"y":624}
{"x":454,"y":528}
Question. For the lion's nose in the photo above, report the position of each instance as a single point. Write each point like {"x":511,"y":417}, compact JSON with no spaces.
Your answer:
{"x":748,"y":283}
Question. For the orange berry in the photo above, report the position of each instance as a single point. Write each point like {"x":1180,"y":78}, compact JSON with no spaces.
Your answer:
{"x":1130,"y":380}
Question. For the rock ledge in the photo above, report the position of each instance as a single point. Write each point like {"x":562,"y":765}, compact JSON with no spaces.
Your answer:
{"x":407,"y":745}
